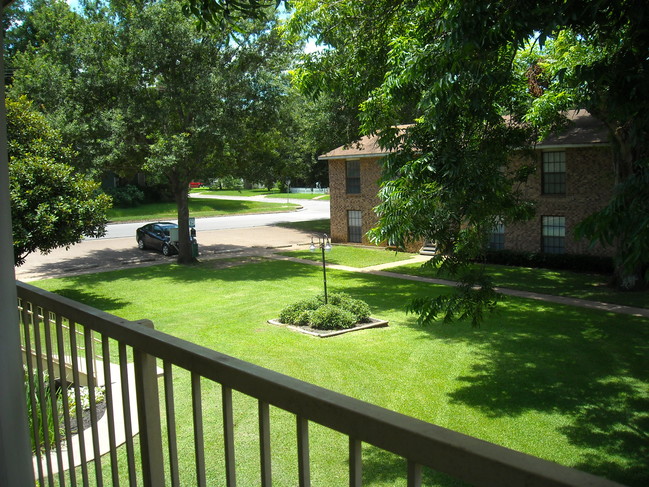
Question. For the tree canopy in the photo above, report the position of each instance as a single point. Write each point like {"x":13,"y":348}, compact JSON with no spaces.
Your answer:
{"x":51,"y":205}
{"x":138,"y":88}
{"x":456,"y":68}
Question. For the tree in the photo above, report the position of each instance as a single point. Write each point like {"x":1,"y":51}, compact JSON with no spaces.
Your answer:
{"x":455,"y":63}
{"x":194,"y":92}
{"x":603,"y":76}
{"x":65,"y":63}
{"x":139,"y":88}
{"x":51,"y":205}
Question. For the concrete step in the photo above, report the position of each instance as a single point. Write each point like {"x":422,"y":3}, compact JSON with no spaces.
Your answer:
{"x":428,"y":250}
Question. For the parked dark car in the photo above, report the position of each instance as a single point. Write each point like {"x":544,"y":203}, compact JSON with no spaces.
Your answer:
{"x":156,"y":236}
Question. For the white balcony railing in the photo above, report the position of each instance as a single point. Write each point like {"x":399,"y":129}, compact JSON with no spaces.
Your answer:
{"x":153,"y":460}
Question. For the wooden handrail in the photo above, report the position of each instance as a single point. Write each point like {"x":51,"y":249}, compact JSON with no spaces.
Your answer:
{"x":460,"y":456}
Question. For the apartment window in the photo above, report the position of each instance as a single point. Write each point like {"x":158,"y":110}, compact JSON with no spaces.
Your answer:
{"x":354,"y":226}
{"x":554,"y":173}
{"x":353,"y":173}
{"x":554,"y":234}
{"x":497,"y":237}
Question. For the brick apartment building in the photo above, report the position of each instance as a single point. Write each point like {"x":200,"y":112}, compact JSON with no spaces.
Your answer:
{"x":574,"y":178}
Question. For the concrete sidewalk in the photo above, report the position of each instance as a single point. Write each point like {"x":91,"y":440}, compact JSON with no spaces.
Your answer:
{"x":379,"y":270}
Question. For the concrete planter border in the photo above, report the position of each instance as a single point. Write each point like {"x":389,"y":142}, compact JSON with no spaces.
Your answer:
{"x":374,"y":323}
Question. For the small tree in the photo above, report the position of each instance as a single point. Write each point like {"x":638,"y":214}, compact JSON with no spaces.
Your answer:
{"x":51,"y":205}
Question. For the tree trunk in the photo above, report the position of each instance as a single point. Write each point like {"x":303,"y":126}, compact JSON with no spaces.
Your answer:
{"x":624,"y":159}
{"x":626,"y":153}
{"x":181,"y":194}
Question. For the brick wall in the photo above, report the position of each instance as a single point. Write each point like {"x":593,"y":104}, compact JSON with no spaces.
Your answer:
{"x":364,"y":202}
{"x":589,"y":183}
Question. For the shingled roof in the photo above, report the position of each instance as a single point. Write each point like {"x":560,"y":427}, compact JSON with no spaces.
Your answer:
{"x":584,"y":131}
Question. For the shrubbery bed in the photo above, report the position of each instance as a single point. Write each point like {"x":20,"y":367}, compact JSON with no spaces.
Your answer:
{"x":341,"y":312}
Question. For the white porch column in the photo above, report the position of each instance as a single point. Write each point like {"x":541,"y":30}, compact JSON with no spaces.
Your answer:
{"x":15,"y":450}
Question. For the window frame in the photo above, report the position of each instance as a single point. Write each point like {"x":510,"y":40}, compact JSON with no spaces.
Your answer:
{"x":497,"y":236}
{"x":355,"y":232}
{"x":353,"y":176}
{"x":553,"y":173}
{"x":553,"y":234}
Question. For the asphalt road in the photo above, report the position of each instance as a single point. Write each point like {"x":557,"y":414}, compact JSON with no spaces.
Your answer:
{"x":311,"y":210}
{"x":218,"y":236}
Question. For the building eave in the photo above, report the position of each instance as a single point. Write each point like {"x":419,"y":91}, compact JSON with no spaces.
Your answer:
{"x":583,"y":130}
{"x":352,"y":156}
{"x":570,"y":146}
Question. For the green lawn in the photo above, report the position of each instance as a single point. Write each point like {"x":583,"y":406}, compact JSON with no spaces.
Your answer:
{"x":313,"y":226}
{"x":197,"y":208}
{"x":300,"y":196}
{"x":234,"y":192}
{"x":352,"y":256}
{"x":258,"y":192}
{"x":566,"y":384}
{"x":561,"y":283}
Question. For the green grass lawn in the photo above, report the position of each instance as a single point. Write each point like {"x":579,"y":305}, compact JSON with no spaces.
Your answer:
{"x":313,"y":226}
{"x":197,"y":208}
{"x":561,"y":283}
{"x":300,"y":196}
{"x":352,"y":256}
{"x":566,"y":384}
{"x":274,"y":193}
{"x":234,"y":192}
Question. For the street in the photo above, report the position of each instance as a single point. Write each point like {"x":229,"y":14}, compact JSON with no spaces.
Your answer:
{"x":227,"y":235}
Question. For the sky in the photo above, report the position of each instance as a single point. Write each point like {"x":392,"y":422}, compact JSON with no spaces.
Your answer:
{"x":309,"y":48}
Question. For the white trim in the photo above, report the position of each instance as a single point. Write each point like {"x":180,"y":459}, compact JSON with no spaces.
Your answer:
{"x":359,"y":156}
{"x":569,"y":146}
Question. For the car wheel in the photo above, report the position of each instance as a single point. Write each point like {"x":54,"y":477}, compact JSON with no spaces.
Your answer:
{"x":140,"y":244}
{"x":166,"y":250}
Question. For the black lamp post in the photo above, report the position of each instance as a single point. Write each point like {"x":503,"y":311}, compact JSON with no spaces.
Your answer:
{"x":324,"y":244}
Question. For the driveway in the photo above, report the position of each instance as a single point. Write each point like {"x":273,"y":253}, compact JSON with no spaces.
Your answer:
{"x":235,"y":235}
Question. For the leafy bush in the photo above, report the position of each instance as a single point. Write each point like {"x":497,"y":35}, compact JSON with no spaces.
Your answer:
{"x":341,"y":308}
{"x":227,"y":182}
{"x":568,"y":262}
{"x":126,"y":196}
{"x":331,"y":317}
{"x":84,"y":395}
{"x":299,"y":313}
{"x":358,"y":308}
{"x":44,"y":424}
{"x":159,"y":192}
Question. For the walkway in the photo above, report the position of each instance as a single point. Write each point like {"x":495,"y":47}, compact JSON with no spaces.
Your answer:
{"x":379,"y":270}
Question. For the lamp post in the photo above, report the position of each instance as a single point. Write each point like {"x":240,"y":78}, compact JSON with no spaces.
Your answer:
{"x":324,"y":244}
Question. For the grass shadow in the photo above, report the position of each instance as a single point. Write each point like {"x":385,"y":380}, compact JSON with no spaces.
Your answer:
{"x":310,"y":226}
{"x":95,"y":300}
{"x":588,"y":366}
{"x":384,"y":468}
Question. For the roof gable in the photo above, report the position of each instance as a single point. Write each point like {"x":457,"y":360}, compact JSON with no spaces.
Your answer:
{"x":584,"y":131}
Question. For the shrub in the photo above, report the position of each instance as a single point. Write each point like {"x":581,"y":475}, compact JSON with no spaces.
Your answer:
{"x":227,"y":182}
{"x":44,"y":423}
{"x":126,"y":196}
{"x":309,"y":312}
{"x":358,"y":308}
{"x":156,"y":193}
{"x":568,"y":262}
{"x":298,"y":313}
{"x":331,"y":317}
